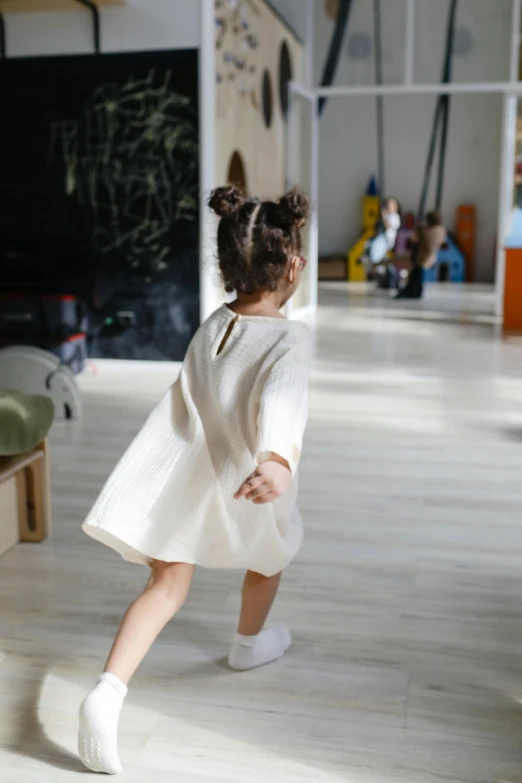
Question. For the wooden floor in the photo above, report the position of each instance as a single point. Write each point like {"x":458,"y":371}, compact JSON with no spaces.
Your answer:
{"x":405,"y":602}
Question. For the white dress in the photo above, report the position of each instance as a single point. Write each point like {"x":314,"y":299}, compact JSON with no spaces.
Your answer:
{"x":171,"y":496}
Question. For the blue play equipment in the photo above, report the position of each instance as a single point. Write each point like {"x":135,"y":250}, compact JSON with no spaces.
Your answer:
{"x":451,"y":258}
{"x":372,"y":189}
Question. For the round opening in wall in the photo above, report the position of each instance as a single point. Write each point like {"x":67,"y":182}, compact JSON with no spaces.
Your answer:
{"x":286,"y":73}
{"x":237,"y":172}
{"x":267,"y":98}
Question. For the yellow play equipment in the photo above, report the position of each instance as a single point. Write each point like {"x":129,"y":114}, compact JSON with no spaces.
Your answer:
{"x":371,"y":211}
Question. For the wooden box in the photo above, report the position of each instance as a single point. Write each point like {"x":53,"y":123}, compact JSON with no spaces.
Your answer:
{"x":332,"y":268}
{"x":9,"y":535}
{"x":24,"y":498}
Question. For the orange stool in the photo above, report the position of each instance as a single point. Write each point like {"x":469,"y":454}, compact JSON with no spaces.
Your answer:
{"x":513,"y":290}
{"x":465,"y":236}
{"x":513,"y":277}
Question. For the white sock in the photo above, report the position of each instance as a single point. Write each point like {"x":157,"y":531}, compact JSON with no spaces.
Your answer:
{"x":248,"y":652}
{"x":98,"y":735}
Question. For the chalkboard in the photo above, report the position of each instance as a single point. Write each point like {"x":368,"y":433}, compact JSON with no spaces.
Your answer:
{"x":99,"y":192}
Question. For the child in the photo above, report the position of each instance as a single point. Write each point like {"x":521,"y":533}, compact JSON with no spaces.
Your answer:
{"x":391,"y":218}
{"x":385,"y":239}
{"x":211,"y":478}
{"x":427,"y":240}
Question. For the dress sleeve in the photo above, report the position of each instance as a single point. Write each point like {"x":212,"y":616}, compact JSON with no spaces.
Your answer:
{"x":283,"y":408}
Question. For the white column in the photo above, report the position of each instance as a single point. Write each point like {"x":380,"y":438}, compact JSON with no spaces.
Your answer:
{"x":515,"y":41}
{"x":505,"y":199}
{"x":291,"y":136}
{"x":310,"y":45}
{"x":209,"y":296}
{"x":409,"y":42}
{"x":301,"y":97}
{"x":314,"y":227}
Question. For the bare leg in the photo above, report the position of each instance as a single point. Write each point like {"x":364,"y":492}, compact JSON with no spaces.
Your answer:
{"x":252,"y":646}
{"x":259,"y":593}
{"x":164,"y":595}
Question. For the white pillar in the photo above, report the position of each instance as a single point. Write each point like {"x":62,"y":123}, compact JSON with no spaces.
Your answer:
{"x":516,"y":21}
{"x":310,"y":45}
{"x":291,"y":136}
{"x":209,"y":295}
{"x":314,"y":227}
{"x":505,"y":199}
{"x":291,"y":128}
{"x":409,"y":42}
{"x":302,"y":98}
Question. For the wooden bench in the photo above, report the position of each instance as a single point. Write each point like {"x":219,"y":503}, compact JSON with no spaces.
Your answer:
{"x":25,"y":508}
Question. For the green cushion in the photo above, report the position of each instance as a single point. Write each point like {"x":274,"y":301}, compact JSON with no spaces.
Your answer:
{"x":25,"y":420}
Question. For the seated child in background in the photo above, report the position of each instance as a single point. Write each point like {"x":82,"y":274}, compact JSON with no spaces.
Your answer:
{"x":428,"y":239}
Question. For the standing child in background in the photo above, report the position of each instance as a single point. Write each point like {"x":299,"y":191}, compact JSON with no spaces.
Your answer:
{"x":427,"y":240}
{"x":211,"y":479}
{"x":380,"y":245}
{"x":391,"y":218}
{"x":385,"y":239}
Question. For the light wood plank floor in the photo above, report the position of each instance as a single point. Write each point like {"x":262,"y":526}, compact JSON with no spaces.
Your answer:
{"x":405,"y":602}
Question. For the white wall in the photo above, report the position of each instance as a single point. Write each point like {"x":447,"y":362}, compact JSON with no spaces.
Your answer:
{"x":348,"y":136}
{"x":139,"y":25}
{"x":294,"y":13}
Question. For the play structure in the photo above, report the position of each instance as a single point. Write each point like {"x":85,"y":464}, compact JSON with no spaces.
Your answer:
{"x":371,"y":213}
{"x":452,"y":263}
{"x":25,"y":507}
{"x":31,"y":370}
{"x":456,"y":262}
{"x":442,"y":90}
{"x":404,"y":238}
{"x":450,"y":266}
{"x":256,"y":57}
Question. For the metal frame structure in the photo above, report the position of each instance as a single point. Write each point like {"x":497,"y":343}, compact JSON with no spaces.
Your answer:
{"x":209,"y":293}
{"x":298,"y":91}
{"x":511,"y":90}
{"x":95,"y":14}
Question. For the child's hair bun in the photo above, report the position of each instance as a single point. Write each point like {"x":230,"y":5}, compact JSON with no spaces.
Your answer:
{"x":297,"y":206}
{"x":226,"y":200}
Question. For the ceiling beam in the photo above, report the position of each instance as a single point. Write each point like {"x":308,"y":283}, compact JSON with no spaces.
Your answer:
{"x":32,"y":6}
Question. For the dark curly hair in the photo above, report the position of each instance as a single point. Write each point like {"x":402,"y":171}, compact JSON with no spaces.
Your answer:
{"x":256,"y":238}
{"x":434,"y":218}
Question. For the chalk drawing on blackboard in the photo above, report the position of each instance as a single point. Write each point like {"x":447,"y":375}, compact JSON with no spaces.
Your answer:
{"x":131,"y":160}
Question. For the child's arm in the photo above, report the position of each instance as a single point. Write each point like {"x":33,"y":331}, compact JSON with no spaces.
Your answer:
{"x":281,"y":423}
{"x":271,"y":480}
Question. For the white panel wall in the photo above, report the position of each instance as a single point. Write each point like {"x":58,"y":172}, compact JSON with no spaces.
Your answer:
{"x":294,"y":12}
{"x":140,"y":25}
{"x":348,"y":140}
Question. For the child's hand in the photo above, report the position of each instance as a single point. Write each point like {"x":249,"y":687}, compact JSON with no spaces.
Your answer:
{"x":271,"y":480}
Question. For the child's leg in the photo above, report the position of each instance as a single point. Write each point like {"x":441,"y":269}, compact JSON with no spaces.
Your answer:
{"x":164,"y":595}
{"x":252,"y":646}
{"x":259,"y":593}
